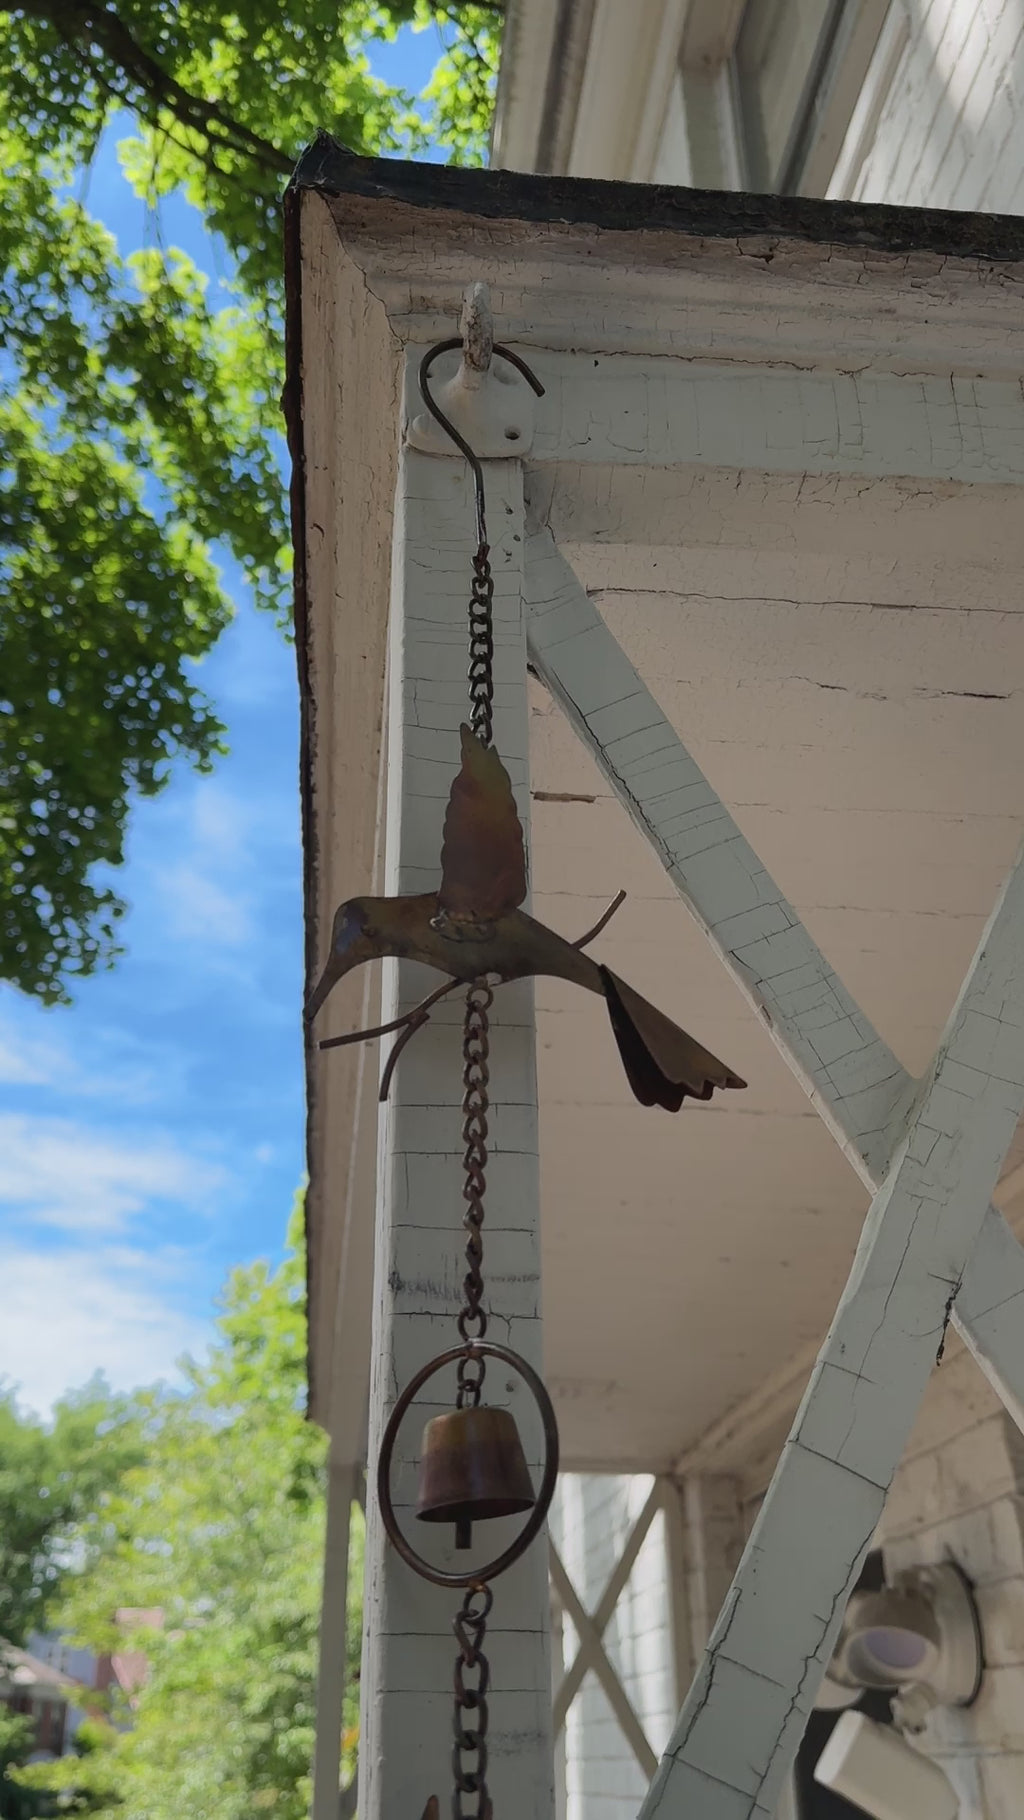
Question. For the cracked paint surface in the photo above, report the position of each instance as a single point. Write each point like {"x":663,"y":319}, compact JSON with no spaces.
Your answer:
{"x":746,"y":1711}
{"x":419,"y":1250}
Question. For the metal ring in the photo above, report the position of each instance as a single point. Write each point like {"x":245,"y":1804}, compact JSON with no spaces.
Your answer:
{"x":535,"y":1385}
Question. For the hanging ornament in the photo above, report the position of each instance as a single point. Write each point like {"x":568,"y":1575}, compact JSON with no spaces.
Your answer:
{"x":472,"y":927}
{"x":472,"y":1464}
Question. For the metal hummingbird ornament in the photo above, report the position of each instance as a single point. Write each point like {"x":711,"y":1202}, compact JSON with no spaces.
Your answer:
{"x":472,"y":928}
{"x":473,"y":931}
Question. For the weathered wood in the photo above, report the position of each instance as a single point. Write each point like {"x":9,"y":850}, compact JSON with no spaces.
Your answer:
{"x":342,"y":580}
{"x":654,"y":413}
{"x":776,"y":1630}
{"x":334,"y":170}
{"x":677,"y":1564}
{"x":330,"y":1679}
{"x":745,"y":1714}
{"x":419,"y":1261}
{"x":989,"y":1312}
{"x":851,"y":1076}
{"x":714,"y":1544}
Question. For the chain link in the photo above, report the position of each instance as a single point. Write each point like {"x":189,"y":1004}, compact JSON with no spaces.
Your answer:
{"x":475,"y":1080}
{"x":470,"y":1627}
{"x":481,"y":646}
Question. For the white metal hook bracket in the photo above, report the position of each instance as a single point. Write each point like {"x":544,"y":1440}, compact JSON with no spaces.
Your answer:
{"x":488,"y":402}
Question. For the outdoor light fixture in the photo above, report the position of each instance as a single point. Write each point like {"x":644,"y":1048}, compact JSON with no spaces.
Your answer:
{"x":917,"y":1638}
{"x":919,"y":1635}
{"x":872,"y":1766}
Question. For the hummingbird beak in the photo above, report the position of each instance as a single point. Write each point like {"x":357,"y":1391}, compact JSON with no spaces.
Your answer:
{"x":348,"y":949}
{"x":336,"y":967}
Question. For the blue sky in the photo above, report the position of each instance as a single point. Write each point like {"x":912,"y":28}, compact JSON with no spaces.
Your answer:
{"x":152,"y":1133}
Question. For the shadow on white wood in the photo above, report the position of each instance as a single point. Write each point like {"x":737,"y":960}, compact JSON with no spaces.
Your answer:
{"x":933,"y":1161}
{"x":851,"y":1076}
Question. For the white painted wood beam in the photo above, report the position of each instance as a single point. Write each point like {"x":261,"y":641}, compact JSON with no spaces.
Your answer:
{"x":593,"y":1656}
{"x":852,"y":1077}
{"x":330,"y":1679}
{"x":989,"y":1312}
{"x":714,"y":1544}
{"x":675,"y":411}
{"x":745,"y":1714}
{"x":409,"y":1649}
{"x":677,"y":1574}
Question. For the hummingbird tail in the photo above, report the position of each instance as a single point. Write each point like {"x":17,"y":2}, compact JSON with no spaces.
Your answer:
{"x":664,"y":1065}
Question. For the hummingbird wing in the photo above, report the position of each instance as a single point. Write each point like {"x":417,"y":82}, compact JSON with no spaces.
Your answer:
{"x":483,"y":862}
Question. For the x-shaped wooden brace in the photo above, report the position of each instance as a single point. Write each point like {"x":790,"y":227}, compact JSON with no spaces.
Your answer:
{"x":932,"y":1247}
{"x":590,"y":1630}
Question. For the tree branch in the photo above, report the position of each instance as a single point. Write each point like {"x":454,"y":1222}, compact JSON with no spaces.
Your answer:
{"x":76,"y":20}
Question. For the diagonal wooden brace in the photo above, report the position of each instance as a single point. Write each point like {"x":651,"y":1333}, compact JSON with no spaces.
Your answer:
{"x":855,"y":1082}
{"x":745,"y":1714}
{"x":930,"y":1235}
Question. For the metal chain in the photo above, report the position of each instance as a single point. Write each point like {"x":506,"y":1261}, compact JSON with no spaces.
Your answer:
{"x":475,"y":1079}
{"x":470,"y":1626}
{"x":481,"y":643}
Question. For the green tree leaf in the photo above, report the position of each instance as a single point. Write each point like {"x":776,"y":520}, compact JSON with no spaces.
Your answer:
{"x":140,"y":429}
{"x":219,"y":1529}
{"x":52,"y":1480}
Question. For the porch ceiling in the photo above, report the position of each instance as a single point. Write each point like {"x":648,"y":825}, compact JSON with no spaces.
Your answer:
{"x":842,"y":653}
{"x":850,"y":681}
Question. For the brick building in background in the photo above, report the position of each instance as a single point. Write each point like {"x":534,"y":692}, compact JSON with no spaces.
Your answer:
{"x":58,"y":1683}
{"x":902,"y":102}
{"x":36,"y":1690}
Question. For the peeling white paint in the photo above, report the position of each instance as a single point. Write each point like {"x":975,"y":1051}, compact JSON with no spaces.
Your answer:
{"x":745,"y":1714}
{"x":746,"y":1711}
{"x":852,"y":1077}
{"x":409,"y":1650}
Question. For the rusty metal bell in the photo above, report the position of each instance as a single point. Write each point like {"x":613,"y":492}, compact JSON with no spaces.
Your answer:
{"x":472,"y":1466}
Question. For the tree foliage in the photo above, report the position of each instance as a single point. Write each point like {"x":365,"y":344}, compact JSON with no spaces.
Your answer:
{"x":139,"y":426}
{"x":220,"y":1529}
{"x":53,"y":1481}
{"x":17,"y":1738}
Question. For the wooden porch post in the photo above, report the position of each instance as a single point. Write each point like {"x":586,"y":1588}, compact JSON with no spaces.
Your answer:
{"x":409,"y":1650}
{"x":330,"y":1681}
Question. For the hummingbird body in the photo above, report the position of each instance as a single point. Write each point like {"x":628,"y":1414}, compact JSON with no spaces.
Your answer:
{"x":472,"y":928}
{"x":511,"y":947}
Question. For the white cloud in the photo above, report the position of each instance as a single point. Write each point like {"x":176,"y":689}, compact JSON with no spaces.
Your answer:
{"x":221,"y":821}
{"x":207,"y":886}
{"x":199,"y":909}
{"x":99,"y":1065}
{"x":75,"y":1312}
{"x":27,"y":1062}
{"x":59,"y":1173}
